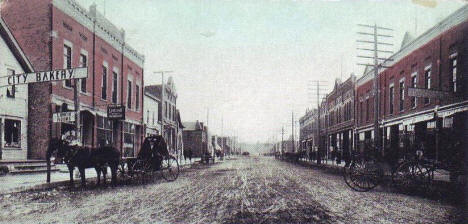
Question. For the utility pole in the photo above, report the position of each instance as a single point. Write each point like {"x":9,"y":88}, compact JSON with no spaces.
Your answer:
{"x":377,"y":63}
{"x":292,"y":122}
{"x":162,"y":99}
{"x":319,"y":85}
{"x":76,"y":101}
{"x":282,"y":140}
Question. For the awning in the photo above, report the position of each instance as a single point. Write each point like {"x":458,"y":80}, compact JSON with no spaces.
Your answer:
{"x":451,"y":112}
{"x":417,"y":119}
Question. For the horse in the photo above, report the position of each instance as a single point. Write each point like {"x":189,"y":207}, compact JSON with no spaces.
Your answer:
{"x":188,"y":154}
{"x":85,"y":157}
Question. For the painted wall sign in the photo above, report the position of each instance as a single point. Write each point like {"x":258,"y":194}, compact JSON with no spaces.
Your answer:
{"x":54,"y":75}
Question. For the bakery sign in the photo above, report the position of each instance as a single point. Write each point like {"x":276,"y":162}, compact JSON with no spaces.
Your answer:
{"x":116,"y":112}
{"x":54,"y":75}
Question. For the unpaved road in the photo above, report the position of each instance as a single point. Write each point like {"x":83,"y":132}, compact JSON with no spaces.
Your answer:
{"x":241,"y":190}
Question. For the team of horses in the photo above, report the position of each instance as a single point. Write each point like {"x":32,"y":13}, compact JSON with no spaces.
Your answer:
{"x":101,"y":158}
{"x":83,"y":157}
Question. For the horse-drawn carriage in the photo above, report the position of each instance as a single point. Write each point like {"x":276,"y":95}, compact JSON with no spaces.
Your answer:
{"x":152,"y":157}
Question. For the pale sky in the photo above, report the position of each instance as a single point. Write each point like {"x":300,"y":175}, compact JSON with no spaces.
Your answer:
{"x":250,"y":61}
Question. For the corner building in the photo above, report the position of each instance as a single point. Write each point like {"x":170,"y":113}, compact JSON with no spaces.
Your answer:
{"x":435,"y":62}
{"x":56,"y":34}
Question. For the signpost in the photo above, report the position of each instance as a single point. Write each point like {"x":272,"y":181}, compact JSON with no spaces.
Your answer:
{"x":48,"y":76}
{"x":429,"y":93}
{"x":116,"y":112}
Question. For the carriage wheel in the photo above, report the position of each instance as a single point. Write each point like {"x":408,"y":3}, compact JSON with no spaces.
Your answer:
{"x":141,"y":171}
{"x":170,"y":168}
{"x":411,"y":175}
{"x":363,"y":175}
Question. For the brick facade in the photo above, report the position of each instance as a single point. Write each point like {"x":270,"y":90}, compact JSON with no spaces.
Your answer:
{"x":44,"y":29}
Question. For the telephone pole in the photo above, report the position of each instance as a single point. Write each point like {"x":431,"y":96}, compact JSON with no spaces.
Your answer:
{"x":292,"y":131}
{"x":377,"y":63}
{"x":162,"y":99}
{"x":319,"y":86}
{"x":282,"y":140}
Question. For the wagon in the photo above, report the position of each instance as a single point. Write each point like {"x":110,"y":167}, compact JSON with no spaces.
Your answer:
{"x":152,"y":157}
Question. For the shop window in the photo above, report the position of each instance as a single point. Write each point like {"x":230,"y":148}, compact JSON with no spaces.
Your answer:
{"x":104,"y":83}
{"x":12,"y":134}
{"x":129,"y":139}
{"x":10,"y":90}
{"x":83,"y":64}
{"x":67,"y":62}
{"x":104,"y":131}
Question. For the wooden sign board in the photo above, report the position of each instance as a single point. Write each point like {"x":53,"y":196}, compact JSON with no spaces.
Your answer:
{"x":429,"y":93}
{"x":116,"y":112}
{"x":48,"y":76}
{"x":64,"y":117}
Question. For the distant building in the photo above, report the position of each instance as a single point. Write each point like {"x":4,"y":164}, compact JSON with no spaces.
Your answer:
{"x":167,"y":112}
{"x":195,"y":136}
{"x":13,"y":99}
{"x":151,"y":116}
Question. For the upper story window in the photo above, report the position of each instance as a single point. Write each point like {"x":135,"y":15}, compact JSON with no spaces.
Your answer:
{"x":137,"y":97}
{"x":104,"y":83}
{"x":367,"y":109}
{"x":414,"y":84}
{"x":427,"y":81}
{"x":115,"y":86}
{"x":83,"y":64}
{"x":362,"y":111}
{"x":453,"y":69}
{"x":67,"y":61}
{"x":129,"y":94}
{"x":11,"y":90}
{"x":402,"y":94}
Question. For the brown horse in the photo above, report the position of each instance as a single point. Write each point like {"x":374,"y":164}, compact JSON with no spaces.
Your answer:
{"x":84,"y":157}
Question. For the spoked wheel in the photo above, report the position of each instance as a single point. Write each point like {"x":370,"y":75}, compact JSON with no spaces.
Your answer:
{"x":170,"y":168}
{"x":411,"y":175}
{"x":141,"y":171}
{"x":363,"y":175}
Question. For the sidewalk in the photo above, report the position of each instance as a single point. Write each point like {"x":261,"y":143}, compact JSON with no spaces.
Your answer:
{"x":22,"y":182}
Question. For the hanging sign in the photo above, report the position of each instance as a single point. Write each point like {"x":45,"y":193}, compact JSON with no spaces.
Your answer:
{"x":48,"y":76}
{"x":116,"y":112}
{"x":64,"y":117}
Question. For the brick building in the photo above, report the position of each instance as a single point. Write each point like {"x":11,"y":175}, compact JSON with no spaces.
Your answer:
{"x":340,"y":127}
{"x":195,"y":135}
{"x":436,"y":62}
{"x":56,"y":34}
{"x":308,"y":135}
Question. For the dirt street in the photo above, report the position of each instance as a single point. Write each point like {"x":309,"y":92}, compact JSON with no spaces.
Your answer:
{"x":239,"y":190}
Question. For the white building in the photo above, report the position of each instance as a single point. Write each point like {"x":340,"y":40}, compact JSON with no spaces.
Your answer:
{"x":13,"y":99}
{"x":151,"y":116}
